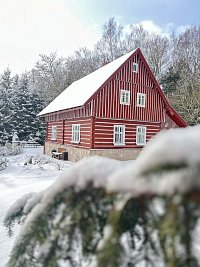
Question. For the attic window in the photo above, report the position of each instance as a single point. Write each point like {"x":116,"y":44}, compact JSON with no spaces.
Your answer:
{"x":141,"y":99}
{"x":125,"y":97}
{"x":135,"y":67}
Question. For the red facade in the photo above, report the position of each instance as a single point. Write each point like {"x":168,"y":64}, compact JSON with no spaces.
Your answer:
{"x":103,"y":110}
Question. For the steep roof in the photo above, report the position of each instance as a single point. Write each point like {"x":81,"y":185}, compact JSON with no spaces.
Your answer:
{"x":80,"y":91}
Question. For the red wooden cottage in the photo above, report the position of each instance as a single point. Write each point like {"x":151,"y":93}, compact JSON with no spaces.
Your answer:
{"x":111,"y":112}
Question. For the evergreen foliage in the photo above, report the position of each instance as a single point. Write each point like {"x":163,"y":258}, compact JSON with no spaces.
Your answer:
{"x":19,"y":107}
{"x":6,"y":106}
{"x":169,"y":81}
{"x":105,"y":213}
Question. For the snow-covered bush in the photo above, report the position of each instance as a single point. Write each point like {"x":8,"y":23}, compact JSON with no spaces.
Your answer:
{"x":59,"y":165}
{"x":3,"y":163}
{"x":104,"y":213}
{"x":37,"y":160}
{"x":9,"y":150}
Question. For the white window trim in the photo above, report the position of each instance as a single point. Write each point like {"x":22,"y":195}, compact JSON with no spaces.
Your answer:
{"x":139,"y":133}
{"x":123,"y":135}
{"x":135,"y":69}
{"x":76,"y":133}
{"x":139,"y":96}
{"x":54,"y":132}
{"x":126,"y":97}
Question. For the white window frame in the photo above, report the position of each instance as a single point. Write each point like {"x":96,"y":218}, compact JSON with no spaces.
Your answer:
{"x":141,"y":135}
{"x":53,"y":132}
{"x":124,"y":97}
{"x":119,"y":135}
{"x":141,"y":100}
{"x":76,"y":133}
{"x":135,"y":67}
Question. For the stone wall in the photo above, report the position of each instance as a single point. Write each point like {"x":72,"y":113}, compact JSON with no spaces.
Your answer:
{"x":75,"y":153}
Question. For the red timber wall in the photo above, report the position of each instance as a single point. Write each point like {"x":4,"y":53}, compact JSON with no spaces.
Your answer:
{"x":106,"y":102}
{"x":64,"y":132}
{"x":104,"y":128}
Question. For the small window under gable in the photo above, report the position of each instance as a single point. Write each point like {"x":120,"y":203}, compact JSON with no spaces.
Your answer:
{"x":119,"y":135}
{"x":141,"y":99}
{"x":125,"y":97}
{"x":141,"y":135}
{"x":75,"y":133}
{"x":54,"y":133}
{"x":135,"y":67}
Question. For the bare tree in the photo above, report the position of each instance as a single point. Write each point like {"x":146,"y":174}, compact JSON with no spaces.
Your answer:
{"x":83,"y":62}
{"x":110,"y":45}
{"x":155,"y":47}
{"x":49,"y":76}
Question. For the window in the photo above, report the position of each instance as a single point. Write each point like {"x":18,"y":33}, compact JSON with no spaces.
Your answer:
{"x":135,"y":67}
{"x":119,"y":135}
{"x":125,"y":97}
{"x":141,"y":135}
{"x":141,"y":98}
{"x":54,"y":133}
{"x":75,"y":133}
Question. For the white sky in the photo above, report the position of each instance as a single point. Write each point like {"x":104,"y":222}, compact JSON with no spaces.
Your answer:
{"x":32,"y":27}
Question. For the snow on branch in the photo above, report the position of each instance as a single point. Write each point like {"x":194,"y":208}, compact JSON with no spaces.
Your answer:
{"x":19,"y":209}
{"x":170,"y":163}
{"x":102,"y":191}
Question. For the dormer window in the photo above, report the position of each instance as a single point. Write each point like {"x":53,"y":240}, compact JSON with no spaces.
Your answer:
{"x":141,"y":99}
{"x":135,"y":67}
{"x":125,"y":97}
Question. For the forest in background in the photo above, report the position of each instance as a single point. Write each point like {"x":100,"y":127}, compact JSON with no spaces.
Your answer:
{"x":174,"y":60}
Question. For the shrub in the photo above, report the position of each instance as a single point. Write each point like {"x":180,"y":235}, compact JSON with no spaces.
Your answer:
{"x":3,"y":163}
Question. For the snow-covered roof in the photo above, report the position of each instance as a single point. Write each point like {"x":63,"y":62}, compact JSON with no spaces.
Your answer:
{"x":80,"y":91}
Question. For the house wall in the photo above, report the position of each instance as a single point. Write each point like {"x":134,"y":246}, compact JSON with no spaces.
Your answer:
{"x":104,"y":128}
{"x":106,"y":102}
{"x":85,"y":137}
{"x":59,"y":125}
{"x":102,"y":142}
{"x":64,"y":132}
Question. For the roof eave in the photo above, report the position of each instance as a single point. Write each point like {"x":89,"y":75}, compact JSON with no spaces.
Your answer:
{"x":176,"y":117}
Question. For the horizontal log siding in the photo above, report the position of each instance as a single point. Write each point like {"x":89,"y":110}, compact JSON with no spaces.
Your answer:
{"x":106,"y":102}
{"x":103,"y":136}
{"x":59,"y":125}
{"x":85,"y":137}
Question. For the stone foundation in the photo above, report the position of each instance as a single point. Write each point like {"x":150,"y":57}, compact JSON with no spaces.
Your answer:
{"x":75,"y":153}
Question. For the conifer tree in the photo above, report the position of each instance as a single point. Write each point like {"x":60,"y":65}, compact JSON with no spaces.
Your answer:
{"x":6,"y":106}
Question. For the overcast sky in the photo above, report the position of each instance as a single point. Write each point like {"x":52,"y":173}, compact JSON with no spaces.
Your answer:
{"x":32,"y":27}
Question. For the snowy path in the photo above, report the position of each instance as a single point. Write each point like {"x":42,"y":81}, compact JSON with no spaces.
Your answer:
{"x":17,"y":180}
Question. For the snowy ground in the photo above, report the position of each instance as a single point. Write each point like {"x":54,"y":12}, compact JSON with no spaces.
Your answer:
{"x":18,"y":179}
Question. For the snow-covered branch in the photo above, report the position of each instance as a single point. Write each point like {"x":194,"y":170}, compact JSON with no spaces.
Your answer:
{"x":97,"y":192}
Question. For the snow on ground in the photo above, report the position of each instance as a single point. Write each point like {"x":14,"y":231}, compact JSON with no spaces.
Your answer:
{"x":19,"y":179}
